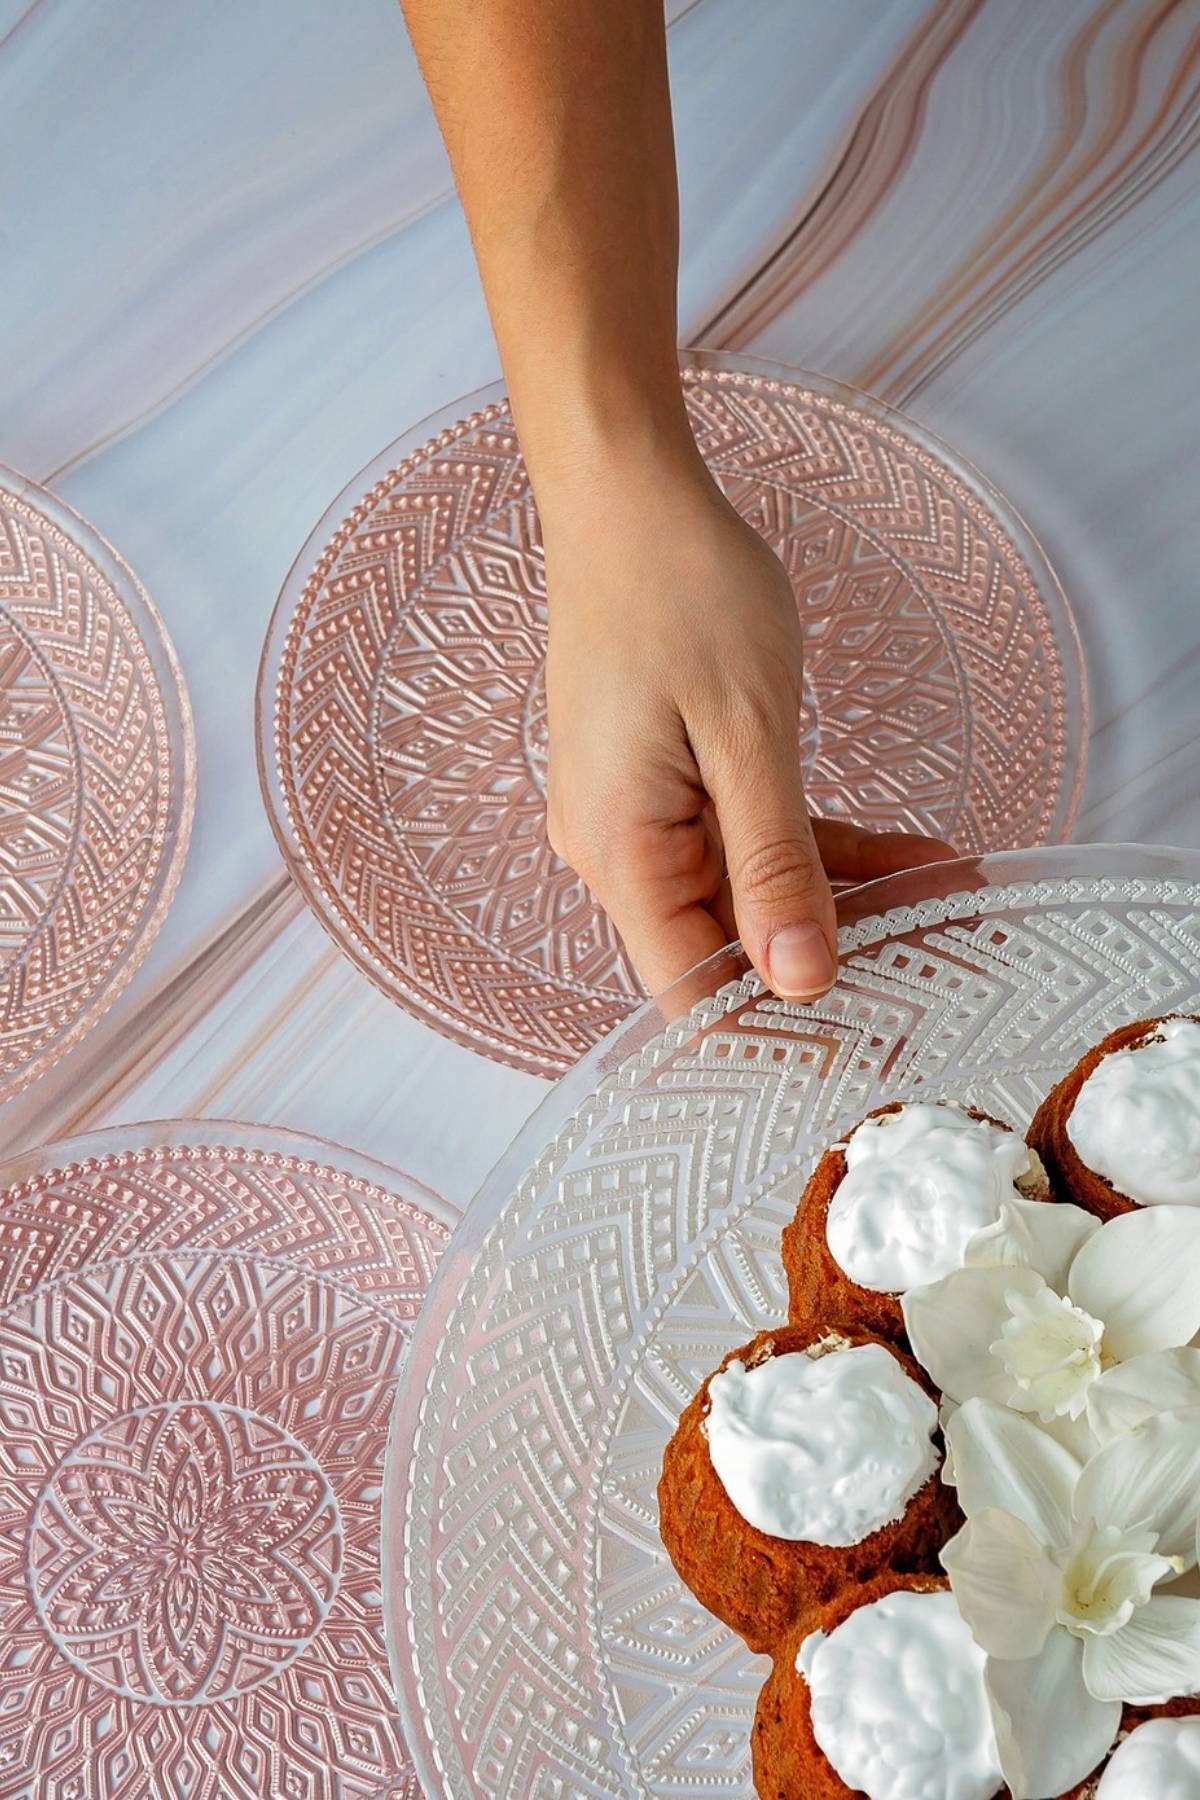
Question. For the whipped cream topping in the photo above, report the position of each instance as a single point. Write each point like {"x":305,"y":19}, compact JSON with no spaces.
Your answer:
{"x":821,"y":1446}
{"x":898,"y":1702}
{"x":1136,"y":1119}
{"x":919,"y":1183}
{"x":1159,"y":1760}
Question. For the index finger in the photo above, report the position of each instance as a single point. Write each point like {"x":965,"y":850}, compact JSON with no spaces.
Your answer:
{"x":656,"y":885}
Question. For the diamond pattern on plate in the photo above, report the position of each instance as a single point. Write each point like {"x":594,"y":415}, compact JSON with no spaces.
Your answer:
{"x":402,"y":704}
{"x":201,"y":1333}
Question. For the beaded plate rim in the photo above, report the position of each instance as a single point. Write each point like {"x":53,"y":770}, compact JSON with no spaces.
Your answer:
{"x":177,"y":734}
{"x":112,"y":1146}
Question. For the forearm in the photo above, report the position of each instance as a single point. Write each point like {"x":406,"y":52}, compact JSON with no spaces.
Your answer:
{"x":673,"y":670}
{"x":556,"y":114}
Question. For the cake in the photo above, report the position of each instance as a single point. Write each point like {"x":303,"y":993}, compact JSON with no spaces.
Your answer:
{"x":805,"y":1498}
{"x":885,"y":1695}
{"x":1122,"y":1129}
{"x":827,"y":1727}
{"x":766,"y":1526}
{"x":893,"y":1207}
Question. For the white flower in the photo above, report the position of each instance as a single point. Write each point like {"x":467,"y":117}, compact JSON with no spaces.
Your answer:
{"x":1050,"y":1306}
{"x":1055,"y":1573}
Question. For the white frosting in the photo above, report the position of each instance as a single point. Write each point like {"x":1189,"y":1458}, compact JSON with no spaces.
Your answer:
{"x":1136,"y":1119}
{"x":1160,"y":1760}
{"x":898,"y":1701}
{"x":821,"y":1448}
{"x":918,"y":1184}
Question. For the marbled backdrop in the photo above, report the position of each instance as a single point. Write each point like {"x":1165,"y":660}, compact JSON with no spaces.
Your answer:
{"x":232,"y":268}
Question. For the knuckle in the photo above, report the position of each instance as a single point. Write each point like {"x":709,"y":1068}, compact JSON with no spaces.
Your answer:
{"x":750,"y":724}
{"x":751,"y":713}
{"x":777,"y":868}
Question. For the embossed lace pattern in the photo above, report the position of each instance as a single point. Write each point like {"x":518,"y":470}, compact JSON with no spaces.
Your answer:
{"x":553,"y":1649}
{"x":95,"y":781}
{"x":199,"y":1350}
{"x":409,"y":712}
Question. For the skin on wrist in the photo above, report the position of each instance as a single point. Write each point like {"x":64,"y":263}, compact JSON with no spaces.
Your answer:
{"x":606,"y":473}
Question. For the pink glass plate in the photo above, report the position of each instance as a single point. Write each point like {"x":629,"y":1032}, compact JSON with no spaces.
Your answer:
{"x":201,"y":1330}
{"x":401,"y":707}
{"x":542,"y":1642}
{"x":97,"y":777}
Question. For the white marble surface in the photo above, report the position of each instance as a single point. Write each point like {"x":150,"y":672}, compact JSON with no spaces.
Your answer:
{"x":234,"y":268}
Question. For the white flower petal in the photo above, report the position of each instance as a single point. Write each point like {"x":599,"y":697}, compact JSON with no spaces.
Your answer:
{"x":1004,"y":1460}
{"x":1154,"y":1467}
{"x":1131,"y":1392}
{"x":1075,"y":1435}
{"x":1153,"y":1658}
{"x":1109,"y":1574}
{"x":1050,"y":1732}
{"x":1147,"y":1477}
{"x":1005,"y":1584}
{"x":950,"y":1324}
{"x":1140,"y":1273}
{"x":946,"y":1412}
{"x":1051,"y":1350}
{"x":1036,"y":1234}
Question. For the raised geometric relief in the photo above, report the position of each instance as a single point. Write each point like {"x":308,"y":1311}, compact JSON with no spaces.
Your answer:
{"x":402,"y":703}
{"x":96,"y":778}
{"x":543,"y":1640}
{"x":201,"y":1334}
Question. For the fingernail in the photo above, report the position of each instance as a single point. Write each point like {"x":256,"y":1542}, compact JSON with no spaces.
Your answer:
{"x":799,"y":963}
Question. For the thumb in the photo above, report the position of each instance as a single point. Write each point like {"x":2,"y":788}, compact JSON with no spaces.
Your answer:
{"x":781,"y":896}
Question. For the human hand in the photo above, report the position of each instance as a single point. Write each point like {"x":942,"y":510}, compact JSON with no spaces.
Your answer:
{"x":674,"y":685}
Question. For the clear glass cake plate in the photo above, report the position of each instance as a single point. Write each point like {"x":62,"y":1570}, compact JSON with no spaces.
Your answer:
{"x":541,"y":1642}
